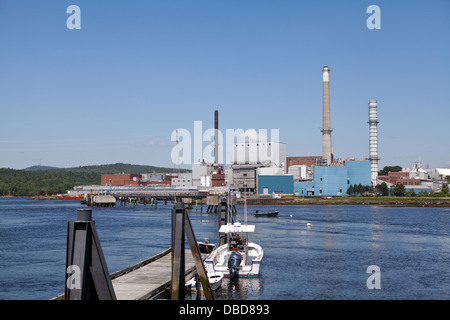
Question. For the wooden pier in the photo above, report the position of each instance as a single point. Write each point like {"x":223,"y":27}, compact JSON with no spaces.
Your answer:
{"x":88,"y":278}
{"x":147,"y":279}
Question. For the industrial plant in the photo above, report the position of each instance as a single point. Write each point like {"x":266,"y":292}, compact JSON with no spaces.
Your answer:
{"x":263,"y":167}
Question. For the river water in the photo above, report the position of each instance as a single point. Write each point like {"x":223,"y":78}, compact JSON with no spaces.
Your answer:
{"x":327,"y":260}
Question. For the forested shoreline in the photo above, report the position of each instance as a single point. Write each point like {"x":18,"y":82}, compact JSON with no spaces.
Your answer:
{"x":36,"y":182}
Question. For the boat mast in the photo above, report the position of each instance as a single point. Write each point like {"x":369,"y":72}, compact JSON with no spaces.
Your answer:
{"x":245,"y":203}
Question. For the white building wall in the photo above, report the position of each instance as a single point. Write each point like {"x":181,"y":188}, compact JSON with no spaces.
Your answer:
{"x":272,"y":154}
{"x":183,"y":181}
{"x":300,"y":172}
{"x":199,"y":169}
{"x":205,"y":181}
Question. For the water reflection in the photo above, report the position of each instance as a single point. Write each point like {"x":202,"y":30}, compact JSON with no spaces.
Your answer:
{"x":234,"y":289}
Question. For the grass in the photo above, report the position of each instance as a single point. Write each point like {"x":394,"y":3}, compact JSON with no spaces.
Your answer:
{"x":443,"y":201}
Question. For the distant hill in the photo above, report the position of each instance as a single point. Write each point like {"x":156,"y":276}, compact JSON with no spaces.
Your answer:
{"x":40,"y":168}
{"x":118,"y":168}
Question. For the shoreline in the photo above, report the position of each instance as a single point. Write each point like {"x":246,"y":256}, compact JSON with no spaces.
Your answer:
{"x":385,"y":201}
{"x":433,"y":202}
{"x":31,"y":197}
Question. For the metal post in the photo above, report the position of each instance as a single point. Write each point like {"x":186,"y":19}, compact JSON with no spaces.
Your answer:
{"x":178,"y":258}
{"x":197,"y":258}
{"x":87,"y":276}
{"x":223,"y":218}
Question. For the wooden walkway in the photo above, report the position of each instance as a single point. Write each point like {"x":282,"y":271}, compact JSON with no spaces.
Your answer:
{"x":147,"y":279}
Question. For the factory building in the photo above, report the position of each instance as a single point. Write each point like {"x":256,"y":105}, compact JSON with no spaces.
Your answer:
{"x":275,"y":184}
{"x":269,"y":154}
{"x":182,"y":181}
{"x":251,"y":156}
{"x":208,"y":175}
{"x":244,"y":177}
{"x":305,"y":160}
{"x":201,"y":174}
{"x":301,"y":172}
{"x":263,"y":168}
{"x":134,"y":180}
{"x":120,"y":179}
{"x":271,"y":181}
{"x":335,"y":180}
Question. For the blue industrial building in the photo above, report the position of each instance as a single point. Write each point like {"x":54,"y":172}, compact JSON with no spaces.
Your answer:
{"x":268,"y":184}
{"x":335,"y":180}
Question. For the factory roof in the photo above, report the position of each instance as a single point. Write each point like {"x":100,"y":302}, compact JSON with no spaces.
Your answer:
{"x":443,"y":171}
{"x":236,"y":228}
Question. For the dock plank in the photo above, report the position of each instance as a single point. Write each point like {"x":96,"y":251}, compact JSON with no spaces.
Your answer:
{"x":149,"y":279}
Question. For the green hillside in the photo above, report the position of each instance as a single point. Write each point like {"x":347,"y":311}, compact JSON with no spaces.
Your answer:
{"x":59,"y":180}
{"x":118,"y":168}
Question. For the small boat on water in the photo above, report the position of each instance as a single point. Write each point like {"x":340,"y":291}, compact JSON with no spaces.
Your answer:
{"x":215,"y":281}
{"x":266,"y":214}
{"x":237,"y":257}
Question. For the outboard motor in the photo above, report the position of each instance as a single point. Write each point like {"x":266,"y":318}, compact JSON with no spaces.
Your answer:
{"x":233,"y":263}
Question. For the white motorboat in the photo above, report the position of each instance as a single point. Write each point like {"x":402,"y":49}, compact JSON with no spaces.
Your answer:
{"x":237,"y":257}
{"x":215,"y":281}
{"x":206,"y":247}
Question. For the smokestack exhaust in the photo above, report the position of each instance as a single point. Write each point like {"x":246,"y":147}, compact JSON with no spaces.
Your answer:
{"x":216,"y":137}
{"x":373,"y":141}
{"x":326,"y":128}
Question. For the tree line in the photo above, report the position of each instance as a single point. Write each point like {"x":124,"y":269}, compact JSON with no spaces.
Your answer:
{"x":55,"y":181}
{"x":33,"y":183}
{"x":396,"y":190}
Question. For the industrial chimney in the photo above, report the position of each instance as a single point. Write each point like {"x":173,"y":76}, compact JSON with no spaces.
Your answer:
{"x":216,"y":137}
{"x":326,"y":129}
{"x":373,"y":141}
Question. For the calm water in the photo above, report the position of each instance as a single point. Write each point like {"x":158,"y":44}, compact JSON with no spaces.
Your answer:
{"x":327,"y":260}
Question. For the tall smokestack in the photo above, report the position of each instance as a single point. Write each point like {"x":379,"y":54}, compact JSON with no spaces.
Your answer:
{"x":373,"y":141}
{"x":216,"y":137}
{"x":326,"y":128}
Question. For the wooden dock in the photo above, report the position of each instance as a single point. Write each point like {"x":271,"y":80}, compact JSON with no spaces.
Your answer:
{"x":146,"y":279}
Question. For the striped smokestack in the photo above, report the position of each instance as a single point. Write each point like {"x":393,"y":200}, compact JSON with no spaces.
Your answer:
{"x":373,"y":141}
{"x":326,"y":128}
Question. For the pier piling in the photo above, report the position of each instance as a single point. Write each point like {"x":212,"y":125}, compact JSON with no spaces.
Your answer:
{"x":181,"y":224}
{"x":89,"y":278}
{"x":178,"y":265}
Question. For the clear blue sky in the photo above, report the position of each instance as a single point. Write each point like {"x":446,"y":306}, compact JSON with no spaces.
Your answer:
{"x":137,"y":70}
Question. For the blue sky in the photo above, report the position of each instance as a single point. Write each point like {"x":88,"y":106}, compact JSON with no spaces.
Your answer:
{"x":116,"y":89}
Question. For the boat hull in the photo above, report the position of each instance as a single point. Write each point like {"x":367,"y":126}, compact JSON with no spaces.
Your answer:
{"x":266,"y":214}
{"x":215,"y":281}
{"x":249,"y":267}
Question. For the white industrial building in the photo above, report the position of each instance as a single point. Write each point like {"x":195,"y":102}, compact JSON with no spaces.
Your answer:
{"x":200,"y":172}
{"x":301,"y":172}
{"x":183,"y":181}
{"x":269,"y":154}
{"x":417,"y":172}
{"x":152,"y":177}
